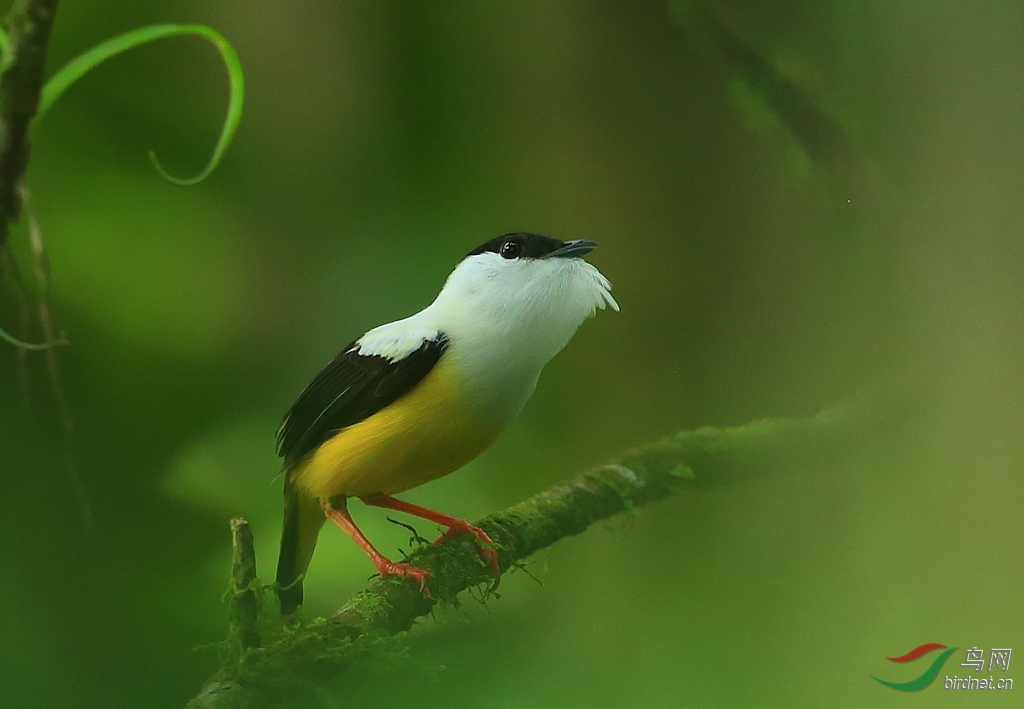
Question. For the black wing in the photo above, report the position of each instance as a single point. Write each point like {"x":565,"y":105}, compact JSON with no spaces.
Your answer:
{"x":351,"y":388}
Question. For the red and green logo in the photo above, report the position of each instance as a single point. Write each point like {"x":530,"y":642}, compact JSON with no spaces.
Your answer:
{"x":928,"y":675}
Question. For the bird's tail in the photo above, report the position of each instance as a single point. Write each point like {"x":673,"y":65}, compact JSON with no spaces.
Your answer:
{"x":303,"y":519}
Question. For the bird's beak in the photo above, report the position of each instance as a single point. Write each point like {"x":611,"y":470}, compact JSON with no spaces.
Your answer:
{"x":573,"y":249}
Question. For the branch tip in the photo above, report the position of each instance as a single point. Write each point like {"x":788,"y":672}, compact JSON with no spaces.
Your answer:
{"x":245,"y":603}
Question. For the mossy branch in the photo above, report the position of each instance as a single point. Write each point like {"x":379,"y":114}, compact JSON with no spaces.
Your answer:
{"x":27,"y":32}
{"x":320,"y":650}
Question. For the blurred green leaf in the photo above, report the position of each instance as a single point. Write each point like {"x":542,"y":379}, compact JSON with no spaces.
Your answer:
{"x":4,"y":46}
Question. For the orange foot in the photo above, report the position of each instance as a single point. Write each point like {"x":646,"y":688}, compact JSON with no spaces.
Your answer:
{"x":487,"y":551}
{"x":390,"y":568}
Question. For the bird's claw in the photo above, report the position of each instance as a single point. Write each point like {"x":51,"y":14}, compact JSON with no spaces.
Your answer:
{"x":398,"y":569}
{"x":488,"y":549}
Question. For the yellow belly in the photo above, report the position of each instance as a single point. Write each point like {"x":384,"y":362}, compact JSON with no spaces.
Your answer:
{"x":424,"y":435}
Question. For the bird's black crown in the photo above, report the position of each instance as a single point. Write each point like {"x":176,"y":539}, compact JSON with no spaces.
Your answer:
{"x":525,"y":244}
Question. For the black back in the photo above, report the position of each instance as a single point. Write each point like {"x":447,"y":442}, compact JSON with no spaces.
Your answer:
{"x":351,"y":388}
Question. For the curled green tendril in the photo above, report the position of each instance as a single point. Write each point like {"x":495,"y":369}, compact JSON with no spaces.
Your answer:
{"x":82,"y":64}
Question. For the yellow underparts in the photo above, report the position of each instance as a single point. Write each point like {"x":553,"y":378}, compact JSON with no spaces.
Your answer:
{"x":424,"y":435}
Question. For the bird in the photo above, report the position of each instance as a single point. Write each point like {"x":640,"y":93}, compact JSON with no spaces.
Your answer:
{"x":416,"y":399}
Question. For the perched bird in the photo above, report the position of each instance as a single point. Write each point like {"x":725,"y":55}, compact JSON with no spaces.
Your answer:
{"x":416,"y":399}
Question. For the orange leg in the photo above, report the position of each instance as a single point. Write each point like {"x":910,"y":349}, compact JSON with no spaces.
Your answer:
{"x":455,"y":525}
{"x":337,"y":511}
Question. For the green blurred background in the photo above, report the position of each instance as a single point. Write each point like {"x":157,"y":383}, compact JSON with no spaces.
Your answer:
{"x":383,"y":140}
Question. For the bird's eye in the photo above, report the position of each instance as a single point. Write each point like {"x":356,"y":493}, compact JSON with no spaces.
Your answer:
{"x":511,"y":249}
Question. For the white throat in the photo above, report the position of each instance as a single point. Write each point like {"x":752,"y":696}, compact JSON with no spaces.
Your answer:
{"x":504,"y":320}
{"x":507,"y":319}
